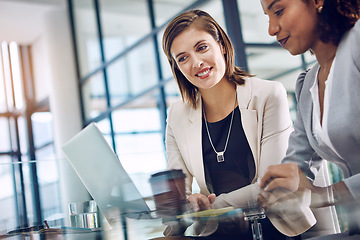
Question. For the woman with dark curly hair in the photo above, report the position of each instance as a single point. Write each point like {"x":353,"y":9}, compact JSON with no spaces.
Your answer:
{"x":327,"y":124}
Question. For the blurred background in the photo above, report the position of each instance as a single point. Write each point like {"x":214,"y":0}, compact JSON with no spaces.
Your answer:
{"x":66,"y":63}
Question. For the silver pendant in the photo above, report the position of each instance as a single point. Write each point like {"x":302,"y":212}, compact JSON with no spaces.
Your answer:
{"x":220,"y":156}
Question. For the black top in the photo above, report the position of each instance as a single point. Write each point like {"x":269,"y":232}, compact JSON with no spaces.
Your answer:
{"x":238,"y":169}
{"x":235,"y":172}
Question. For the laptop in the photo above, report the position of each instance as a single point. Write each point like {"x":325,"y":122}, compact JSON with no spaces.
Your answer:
{"x":102,"y":174}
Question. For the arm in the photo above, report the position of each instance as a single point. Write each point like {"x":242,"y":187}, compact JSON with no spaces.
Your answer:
{"x":352,"y":76}
{"x":299,"y":152}
{"x":299,"y":158}
{"x":175,"y":161}
{"x":174,"y":157}
{"x":301,"y":163}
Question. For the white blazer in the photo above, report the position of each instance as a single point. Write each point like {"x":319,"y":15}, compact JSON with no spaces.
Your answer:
{"x":267,"y":125}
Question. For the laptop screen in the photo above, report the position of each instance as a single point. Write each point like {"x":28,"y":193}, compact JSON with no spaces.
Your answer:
{"x":101,"y":172}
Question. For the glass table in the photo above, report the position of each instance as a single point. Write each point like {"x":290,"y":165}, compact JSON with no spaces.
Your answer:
{"x":38,"y":208}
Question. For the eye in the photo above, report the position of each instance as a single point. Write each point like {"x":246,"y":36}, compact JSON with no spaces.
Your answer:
{"x":182,"y":59}
{"x":279,"y":12}
{"x":202,"y":48}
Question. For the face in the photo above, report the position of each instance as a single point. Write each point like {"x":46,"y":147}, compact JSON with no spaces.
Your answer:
{"x":199,"y":58}
{"x":293,"y":22}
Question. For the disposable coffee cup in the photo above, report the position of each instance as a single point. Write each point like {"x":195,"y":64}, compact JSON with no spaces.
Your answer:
{"x":168,"y":188}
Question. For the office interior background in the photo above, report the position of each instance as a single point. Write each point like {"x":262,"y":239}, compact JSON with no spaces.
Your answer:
{"x":66,"y":63}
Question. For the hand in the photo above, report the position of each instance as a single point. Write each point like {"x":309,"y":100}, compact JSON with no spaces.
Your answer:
{"x":266,"y":199}
{"x":286,"y":176}
{"x":199,"y":201}
{"x":321,"y":196}
{"x":281,"y":181}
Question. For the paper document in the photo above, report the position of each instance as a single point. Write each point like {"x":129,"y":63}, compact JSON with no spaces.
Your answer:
{"x":207,"y":213}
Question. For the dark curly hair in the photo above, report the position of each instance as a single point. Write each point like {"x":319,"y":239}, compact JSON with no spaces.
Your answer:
{"x":204,"y":22}
{"x":336,"y":18}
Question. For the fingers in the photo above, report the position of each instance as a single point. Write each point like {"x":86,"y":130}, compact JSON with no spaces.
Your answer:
{"x":288,"y":183}
{"x":212,"y":198}
{"x":199,"y":202}
{"x":280,"y":182}
{"x":278,"y":171}
{"x":281,"y":176}
{"x":262,"y":201}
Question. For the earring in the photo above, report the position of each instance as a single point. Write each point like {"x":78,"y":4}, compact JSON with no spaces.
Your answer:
{"x":319,"y":9}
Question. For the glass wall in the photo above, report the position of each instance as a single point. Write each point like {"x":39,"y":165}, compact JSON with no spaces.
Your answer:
{"x":87,"y":39}
{"x":123,"y":23}
{"x":7,"y":195}
{"x":126,"y":87}
{"x":26,"y":136}
{"x":126,"y":81}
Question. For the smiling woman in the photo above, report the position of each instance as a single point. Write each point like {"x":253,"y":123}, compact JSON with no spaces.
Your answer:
{"x":296,"y":38}
{"x":203,"y":62}
{"x":326,"y":125}
{"x":228,"y":128}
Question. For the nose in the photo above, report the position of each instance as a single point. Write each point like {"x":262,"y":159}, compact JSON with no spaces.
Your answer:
{"x":274,"y":27}
{"x":197,"y":62}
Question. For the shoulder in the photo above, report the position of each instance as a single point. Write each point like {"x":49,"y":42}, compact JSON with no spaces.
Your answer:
{"x":354,"y":34}
{"x":357,"y":26}
{"x":178,"y":106}
{"x":300,"y":81}
{"x":305,"y":80}
{"x":354,"y":41}
{"x":256,"y":92}
{"x":178,"y":110}
{"x":262,"y":87}
{"x":262,"y":83}
{"x":349,"y":40}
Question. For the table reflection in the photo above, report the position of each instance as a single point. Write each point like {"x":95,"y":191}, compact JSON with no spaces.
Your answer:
{"x":18,"y":218}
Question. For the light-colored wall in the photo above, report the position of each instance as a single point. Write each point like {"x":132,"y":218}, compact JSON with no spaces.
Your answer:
{"x":55,"y":77}
{"x":41,"y":68}
{"x":63,"y":97}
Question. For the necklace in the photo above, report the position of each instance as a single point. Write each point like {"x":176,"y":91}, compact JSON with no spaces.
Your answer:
{"x":220,"y":155}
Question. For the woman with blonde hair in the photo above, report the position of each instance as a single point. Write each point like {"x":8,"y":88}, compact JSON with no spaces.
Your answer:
{"x":227,"y":129}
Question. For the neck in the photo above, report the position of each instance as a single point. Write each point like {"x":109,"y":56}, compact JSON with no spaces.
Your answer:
{"x":218,"y":102}
{"x":325,"y":53}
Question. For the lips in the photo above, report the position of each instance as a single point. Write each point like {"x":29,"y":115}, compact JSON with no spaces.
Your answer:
{"x":283,"y":41}
{"x":204,"y":73}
